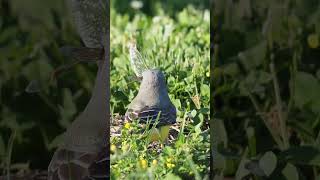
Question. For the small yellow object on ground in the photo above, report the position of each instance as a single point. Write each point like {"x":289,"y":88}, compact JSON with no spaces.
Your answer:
{"x":313,"y":40}
{"x":113,"y":148}
{"x":144,"y":164}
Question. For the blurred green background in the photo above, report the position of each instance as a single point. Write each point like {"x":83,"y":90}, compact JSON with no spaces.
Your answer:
{"x":266,"y":84}
{"x":31,"y":33}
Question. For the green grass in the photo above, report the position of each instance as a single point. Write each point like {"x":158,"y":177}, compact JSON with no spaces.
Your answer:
{"x":266,"y":89}
{"x":179,"y":46}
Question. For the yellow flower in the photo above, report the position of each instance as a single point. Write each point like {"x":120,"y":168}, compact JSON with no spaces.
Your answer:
{"x":313,"y":40}
{"x":170,"y":165}
{"x":143,"y":163}
{"x":127,"y":126}
{"x":113,"y":148}
{"x":154,"y":162}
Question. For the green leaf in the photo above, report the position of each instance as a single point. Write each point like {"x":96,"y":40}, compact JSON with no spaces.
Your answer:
{"x":290,"y":172}
{"x":251,"y":140}
{"x":8,"y":33}
{"x":56,"y":142}
{"x":219,"y":131}
{"x":242,"y":171}
{"x":68,"y":109}
{"x":315,"y":20}
{"x":306,"y":155}
{"x":68,"y":104}
{"x":219,"y":136}
{"x":231,"y":69}
{"x":254,"y":167}
{"x":193,"y":113}
{"x":273,"y":27}
{"x":268,"y":162}
{"x":205,"y":90}
{"x":177,"y":103}
{"x":33,"y":87}
{"x":307,"y":88}
{"x":254,"y":56}
{"x":119,"y":63}
{"x":263,"y":77}
{"x":197,"y":127}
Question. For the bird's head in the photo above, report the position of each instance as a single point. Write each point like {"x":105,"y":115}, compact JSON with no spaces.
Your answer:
{"x":153,"y":78}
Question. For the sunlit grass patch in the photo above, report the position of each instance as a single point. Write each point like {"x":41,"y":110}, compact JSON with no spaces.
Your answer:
{"x":180,"y":48}
{"x":133,"y":155}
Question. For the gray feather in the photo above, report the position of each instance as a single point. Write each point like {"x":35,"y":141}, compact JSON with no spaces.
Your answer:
{"x":90,"y":20}
{"x":152,"y":100}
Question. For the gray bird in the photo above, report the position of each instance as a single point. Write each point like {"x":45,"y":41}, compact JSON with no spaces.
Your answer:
{"x":83,"y":153}
{"x":152,"y":104}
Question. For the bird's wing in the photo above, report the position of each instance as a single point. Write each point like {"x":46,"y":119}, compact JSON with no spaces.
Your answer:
{"x":160,"y":116}
{"x":66,"y":165}
{"x":138,"y":63}
{"x":90,"y":17}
